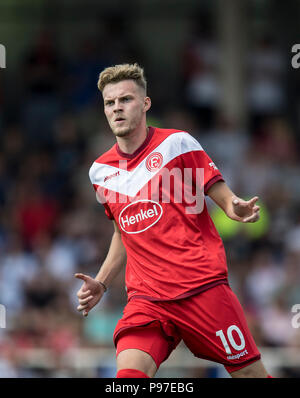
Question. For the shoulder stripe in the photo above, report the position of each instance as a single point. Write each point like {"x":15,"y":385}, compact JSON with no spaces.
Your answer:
{"x":129,"y":183}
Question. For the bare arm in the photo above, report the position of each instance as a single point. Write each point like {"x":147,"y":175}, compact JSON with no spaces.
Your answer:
{"x":92,"y":291}
{"x":234,"y":207}
{"x":115,"y":259}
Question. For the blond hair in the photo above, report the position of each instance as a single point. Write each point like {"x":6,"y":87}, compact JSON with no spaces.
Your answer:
{"x":118,"y":73}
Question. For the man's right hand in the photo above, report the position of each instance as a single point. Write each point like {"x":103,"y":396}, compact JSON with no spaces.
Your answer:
{"x":89,"y":294}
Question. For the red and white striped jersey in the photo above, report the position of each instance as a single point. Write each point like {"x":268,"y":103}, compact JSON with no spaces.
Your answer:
{"x":156,"y":197}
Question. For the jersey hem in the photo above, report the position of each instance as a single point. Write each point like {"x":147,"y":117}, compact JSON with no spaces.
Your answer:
{"x":190,"y":293}
{"x":235,"y":367}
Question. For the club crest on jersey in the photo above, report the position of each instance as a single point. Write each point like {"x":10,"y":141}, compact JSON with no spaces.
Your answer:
{"x":154,"y":161}
{"x":138,"y":216}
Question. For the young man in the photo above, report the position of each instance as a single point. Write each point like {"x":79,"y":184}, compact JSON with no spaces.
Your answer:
{"x":176,"y":272}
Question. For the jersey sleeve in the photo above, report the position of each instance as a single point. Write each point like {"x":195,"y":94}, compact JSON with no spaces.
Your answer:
{"x":211,"y":172}
{"x":198,"y":158}
{"x":101,"y":199}
{"x":107,"y":211}
{"x":96,"y":178}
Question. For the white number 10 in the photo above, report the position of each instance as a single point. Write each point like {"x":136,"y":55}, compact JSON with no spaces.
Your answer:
{"x":233,"y":343}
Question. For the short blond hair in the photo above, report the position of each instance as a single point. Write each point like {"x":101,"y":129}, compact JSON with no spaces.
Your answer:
{"x":118,"y":73}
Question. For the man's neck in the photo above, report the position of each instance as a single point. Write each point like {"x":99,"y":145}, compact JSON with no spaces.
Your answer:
{"x":133,"y":141}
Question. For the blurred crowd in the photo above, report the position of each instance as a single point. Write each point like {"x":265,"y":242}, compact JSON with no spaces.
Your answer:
{"x":51,"y":225}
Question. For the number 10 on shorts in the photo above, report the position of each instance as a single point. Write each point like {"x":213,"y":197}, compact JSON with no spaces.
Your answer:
{"x":231,"y":339}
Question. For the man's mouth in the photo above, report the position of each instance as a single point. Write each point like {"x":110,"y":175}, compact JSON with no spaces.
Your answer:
{"x":119,"y":119}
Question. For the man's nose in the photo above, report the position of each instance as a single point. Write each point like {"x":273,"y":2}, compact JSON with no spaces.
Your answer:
{"x":117,"y":106}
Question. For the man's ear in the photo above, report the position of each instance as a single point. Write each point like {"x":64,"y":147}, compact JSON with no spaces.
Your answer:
{"x":147,"y":103}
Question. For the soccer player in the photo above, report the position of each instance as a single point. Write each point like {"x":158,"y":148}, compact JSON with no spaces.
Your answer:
{"x":152,"y":183}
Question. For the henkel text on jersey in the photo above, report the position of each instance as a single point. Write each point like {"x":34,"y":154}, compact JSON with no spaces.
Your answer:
{"x":138,"y":216}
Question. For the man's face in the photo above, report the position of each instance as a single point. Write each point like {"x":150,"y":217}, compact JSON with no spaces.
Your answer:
{"x":124,"y":106}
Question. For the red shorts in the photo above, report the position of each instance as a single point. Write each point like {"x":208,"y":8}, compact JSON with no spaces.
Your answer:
{"x":211,"y":324}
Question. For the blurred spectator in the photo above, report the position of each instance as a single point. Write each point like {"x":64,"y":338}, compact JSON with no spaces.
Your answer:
{"x":34,"y":213}
{"x":4,"y":180}
{"x":69,"y":144}
{"x":42,"y":290}
{"x":42,"y":79}
{"x":201,"y":57}
{"x":82,"y":72}
{"x":275,"y":321}
{"x":264,"y":279}
{"x":292,"y":238}
{"x":13,"y":146}
{"x":227,"y":144}
{"x":266,"y":95}
{"x":17,"y":267}
{"x":57,"y":255}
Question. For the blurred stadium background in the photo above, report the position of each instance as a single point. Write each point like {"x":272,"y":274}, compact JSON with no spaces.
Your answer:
{"x":218,"y":69}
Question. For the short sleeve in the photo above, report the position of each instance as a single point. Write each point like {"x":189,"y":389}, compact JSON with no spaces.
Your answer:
{"x":100,"y":197}
{"x":108,"y":211}
{"x":198,"y":158}
{"x":211,"y":172}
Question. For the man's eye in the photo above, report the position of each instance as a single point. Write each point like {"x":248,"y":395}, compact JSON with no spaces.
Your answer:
{"x":108,"y":103}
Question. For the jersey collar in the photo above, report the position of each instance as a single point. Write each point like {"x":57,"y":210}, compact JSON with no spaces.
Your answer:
{"x":140,"y":148}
